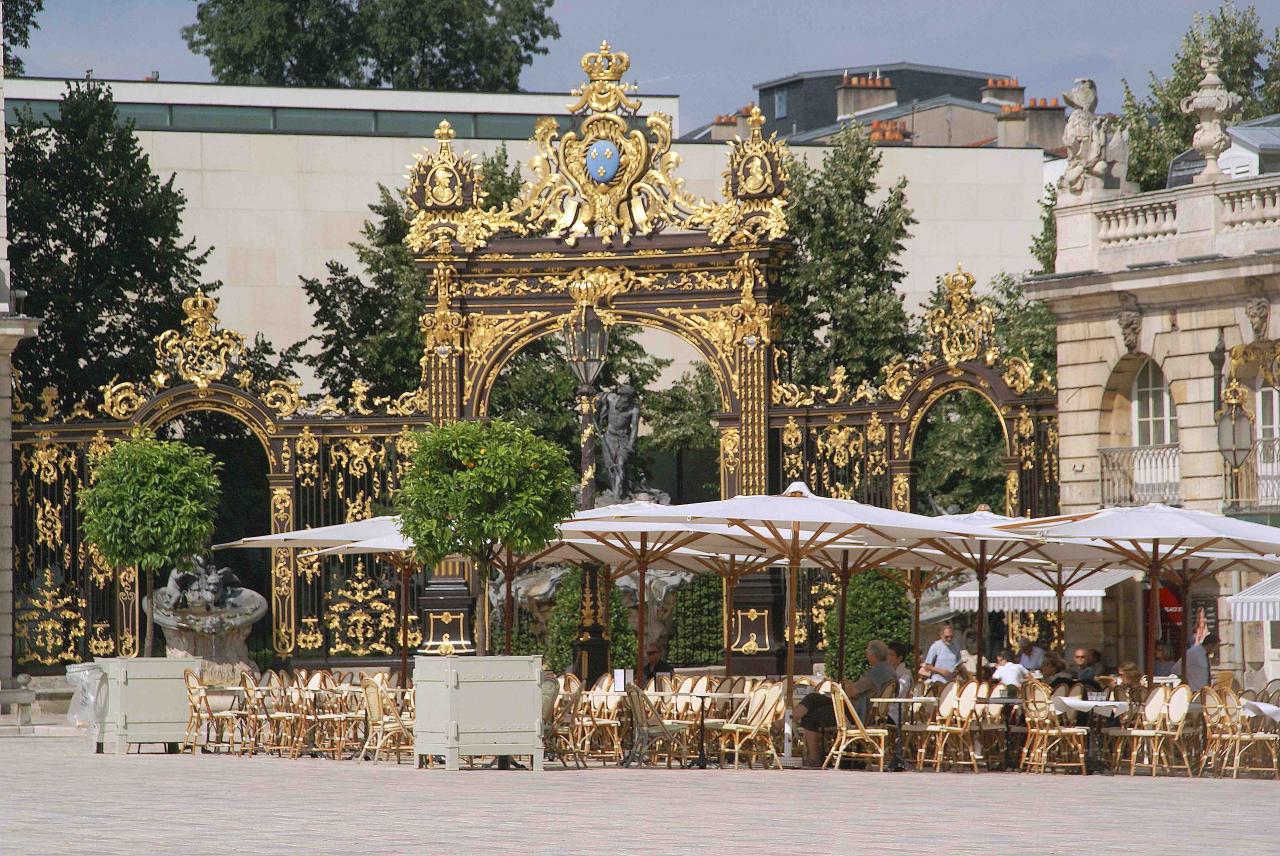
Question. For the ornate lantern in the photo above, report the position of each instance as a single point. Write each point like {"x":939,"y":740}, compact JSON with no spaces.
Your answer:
{"x":1235,"y":427}
{"x":586,"y":339}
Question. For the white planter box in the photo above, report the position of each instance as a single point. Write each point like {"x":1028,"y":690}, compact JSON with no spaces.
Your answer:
{"x":146,"y":702}
{"x":478,"y":706}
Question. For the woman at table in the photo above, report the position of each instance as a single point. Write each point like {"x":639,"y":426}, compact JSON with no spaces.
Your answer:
{"x":1054,"y":670}
{"x":898,"y":653}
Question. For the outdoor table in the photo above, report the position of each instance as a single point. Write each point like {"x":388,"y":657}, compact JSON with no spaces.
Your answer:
{"x":1005,"y":702}
{"x":701,"y":761}
{"x":899,"y":760}
{"x":1100,"y":707}
{"x":1262,"y":708}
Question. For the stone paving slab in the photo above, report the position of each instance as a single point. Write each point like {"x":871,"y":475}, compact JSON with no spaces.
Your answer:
{"x":59,"y":798}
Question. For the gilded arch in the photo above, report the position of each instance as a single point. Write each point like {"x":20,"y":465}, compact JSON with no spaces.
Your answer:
{"x":858,"y":442}
{"x":324,"y":466}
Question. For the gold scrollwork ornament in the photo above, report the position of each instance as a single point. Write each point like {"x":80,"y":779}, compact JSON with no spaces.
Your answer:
{"x":202,"y":352}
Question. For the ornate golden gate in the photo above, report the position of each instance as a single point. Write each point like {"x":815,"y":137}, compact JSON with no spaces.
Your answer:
{"x":325,"y":466}
{"x":604,"y":223}
{"x":857,"y":441}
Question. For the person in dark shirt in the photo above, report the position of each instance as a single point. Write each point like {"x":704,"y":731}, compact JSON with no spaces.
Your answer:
{"x":653,"y":662}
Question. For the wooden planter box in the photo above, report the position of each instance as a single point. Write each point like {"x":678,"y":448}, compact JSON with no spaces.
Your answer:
{"x":146,"y":702}
{"x":478,"y":706}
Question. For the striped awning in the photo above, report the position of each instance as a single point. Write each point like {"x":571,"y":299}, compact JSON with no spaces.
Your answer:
{"x":1259,"y":602}
{"x":1020,"y":592}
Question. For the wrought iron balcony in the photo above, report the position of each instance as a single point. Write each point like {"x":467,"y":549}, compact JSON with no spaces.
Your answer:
{"x":1137,"y":475}
{"x":1257,"y":483}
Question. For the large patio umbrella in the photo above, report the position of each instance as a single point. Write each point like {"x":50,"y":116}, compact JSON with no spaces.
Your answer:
{"x":1156,"y":538}
{"x":322,"y":536}
{"x":373,"y":530}
{"x":794,"y":525}
{"x":631,"y":544}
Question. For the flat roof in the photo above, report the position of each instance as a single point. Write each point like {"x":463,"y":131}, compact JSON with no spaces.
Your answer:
{"x":225,"y":95}
{"x":881,"y":66}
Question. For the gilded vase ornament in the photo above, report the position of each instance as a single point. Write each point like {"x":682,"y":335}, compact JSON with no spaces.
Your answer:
{"x":755,"y":191}
{"x":201,"y":352}
{"x":444,"y":202}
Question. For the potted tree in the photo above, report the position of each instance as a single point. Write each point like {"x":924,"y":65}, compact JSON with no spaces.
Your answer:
{"x":150,"y":505}
{"x":488,"y":491}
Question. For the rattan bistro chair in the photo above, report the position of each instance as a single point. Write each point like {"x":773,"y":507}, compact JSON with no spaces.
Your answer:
{"x":750,"y":728}
{"x":559,"y":736}
{"x":1050,"y":743}
{"x":211,"y":729}
{"x":651,"y":733}
{"x":850,"y":733}
{"x":387,"y":729}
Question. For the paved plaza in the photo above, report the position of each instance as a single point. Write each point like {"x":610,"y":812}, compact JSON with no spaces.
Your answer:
{"x":57,"y":795}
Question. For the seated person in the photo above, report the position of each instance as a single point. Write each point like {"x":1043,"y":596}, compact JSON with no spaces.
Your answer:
{"x":816,"y":710}
{"x":1088,"y":666}
{"x":898,"y":653}
{"x":1009,"y":672}
{"x":1129,"y":679}
{"x":1167,"y":662}
{"x":1053,"y":670}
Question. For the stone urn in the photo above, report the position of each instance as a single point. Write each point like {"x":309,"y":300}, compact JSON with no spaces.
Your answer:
{"x":207,"y":614}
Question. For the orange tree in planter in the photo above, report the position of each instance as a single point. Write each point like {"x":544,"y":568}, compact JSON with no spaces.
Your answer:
{"x":151,"y":505}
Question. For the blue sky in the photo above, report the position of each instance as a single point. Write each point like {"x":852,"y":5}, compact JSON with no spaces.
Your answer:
{"x":711,"y":52}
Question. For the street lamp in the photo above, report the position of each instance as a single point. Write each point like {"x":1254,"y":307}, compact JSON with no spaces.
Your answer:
{"x":1235,"y":435}
{"x":586,"y":341}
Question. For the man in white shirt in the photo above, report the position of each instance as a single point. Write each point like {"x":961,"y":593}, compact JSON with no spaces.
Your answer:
{"x":1007,"y":672}
{"x":1198,"y":657}
{"x":942,"y":663}
{"x":1030,"y":656}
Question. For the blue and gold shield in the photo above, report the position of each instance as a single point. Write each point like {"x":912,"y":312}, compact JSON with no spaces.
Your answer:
{"x":602,"y":161}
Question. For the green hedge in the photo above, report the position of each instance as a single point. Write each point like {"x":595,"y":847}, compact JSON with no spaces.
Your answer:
{"x":697,"y":637}
{"x":562,"y":628}
{"x":876,"y":608}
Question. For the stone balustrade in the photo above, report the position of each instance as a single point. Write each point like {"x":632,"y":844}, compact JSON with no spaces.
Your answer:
{"x":1228,"y":218}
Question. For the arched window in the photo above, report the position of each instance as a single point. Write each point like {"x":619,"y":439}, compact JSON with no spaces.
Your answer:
{"x":1154,"y":423}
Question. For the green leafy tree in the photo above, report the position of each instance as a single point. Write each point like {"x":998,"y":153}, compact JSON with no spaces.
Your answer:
{"x":151,"y":505}
{"x":469,"y":45}
{"x":476,"y":488}
{"x":19,"y":21}
{"x":95,"y":239}
{"x":839,"y":289}
{"x":1044,"y":246}
{"x":1250,"y":67}
{"x":681,"y":422}
{"x":875,"y":608}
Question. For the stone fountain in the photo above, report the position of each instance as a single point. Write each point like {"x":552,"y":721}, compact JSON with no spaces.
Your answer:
{"x":207,"y":614}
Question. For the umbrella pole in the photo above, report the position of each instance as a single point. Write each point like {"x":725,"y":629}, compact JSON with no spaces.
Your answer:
{"x":726,"y":621}
{"x":406,"y":570}
{"x":1153,"y":610}
{"x":982,"y":605}
{"x":641,"y":641}
{"x":1184,"y":592}
{"x":917,"y":591}
{"x":1062,"y":615}
{"x":792,"y":571}
{"x":844,"y":597}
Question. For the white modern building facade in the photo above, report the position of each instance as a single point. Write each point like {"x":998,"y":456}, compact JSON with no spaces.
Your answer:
{"x":278,"y":181}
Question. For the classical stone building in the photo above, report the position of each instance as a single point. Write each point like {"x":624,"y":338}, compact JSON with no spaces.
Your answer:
{"x":1163,"y":300}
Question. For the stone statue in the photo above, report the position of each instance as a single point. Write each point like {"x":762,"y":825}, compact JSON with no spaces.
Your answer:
{"x":618,"y":421}
{"x":1211,"y":104}
{"x":206,"y":613}
{"x":1097,"y":149}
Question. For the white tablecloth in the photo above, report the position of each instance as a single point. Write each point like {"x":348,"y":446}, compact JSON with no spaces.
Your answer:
{"x":1262,"y":708}
{"x":1066,"y":704}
